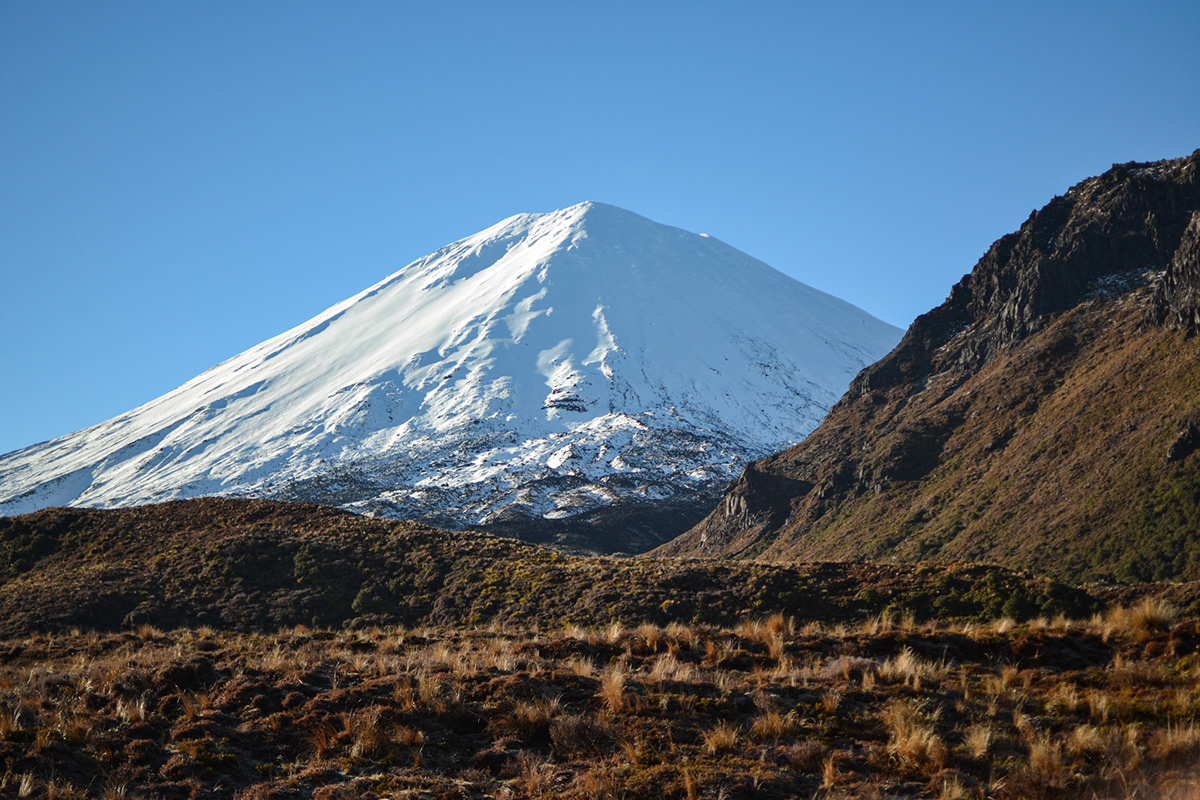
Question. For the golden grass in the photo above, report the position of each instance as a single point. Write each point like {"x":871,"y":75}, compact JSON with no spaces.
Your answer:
{"x":612,"y":690}
{"x":1177,"y":744}
{"x":1046,"y":760}
{"x":910,"y":669}
{"x":978,"y":739}
{"x":721,"y":738}
{"x":1144,"y":620}
{"x":369,"y":738}
{"x":537,"y":714}
{"x":912,"y":735}
{"x":772,"y":726}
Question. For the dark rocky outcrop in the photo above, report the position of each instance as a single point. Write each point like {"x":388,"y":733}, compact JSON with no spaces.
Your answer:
{"x":1177,"y":300}
{"x":1132,"y":217}
{"x":1187,"y":438}
{"x":1025,"y":419}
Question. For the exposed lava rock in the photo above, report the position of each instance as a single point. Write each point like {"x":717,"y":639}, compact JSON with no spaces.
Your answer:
{"x":1132,"y":217}
{"x":1187,"y":441}
{"x":1177,"y":301}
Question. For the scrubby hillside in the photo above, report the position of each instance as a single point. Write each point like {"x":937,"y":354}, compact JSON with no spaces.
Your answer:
{"x":1044,"y":417}
{"x":258,"y":565}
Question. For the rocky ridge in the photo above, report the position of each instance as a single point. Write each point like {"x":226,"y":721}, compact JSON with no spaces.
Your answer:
{"x":1042,"y":417}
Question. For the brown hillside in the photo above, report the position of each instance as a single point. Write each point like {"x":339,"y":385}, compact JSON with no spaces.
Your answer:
{"x":255,"y":565}
{"x":1041,"y":418}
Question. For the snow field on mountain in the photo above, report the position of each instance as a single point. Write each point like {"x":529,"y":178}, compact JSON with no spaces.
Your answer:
{"x":533,"y":363}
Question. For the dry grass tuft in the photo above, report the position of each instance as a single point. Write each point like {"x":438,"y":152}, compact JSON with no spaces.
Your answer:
{"x":1100,"y":706}
{"x":322,"y":740}
{"x":912,"y":735}
{"x":721,"y":738}
{"x":131,"y":710}
{"x":978,"y":740}
{"x":845,"y":668}
{"x":13,"y":721}
{"x":1063,"y":699}
{"x":534,"y":716}
{"x":773,"y":726}
{"x":1177,"y":745}
{"x":1088,"y":742}
{"x":148,"y":633}
{"x":650,"y":635}
{"x":829,"y":772}
{"x":1046,"y":759}
{"x":370,"y":740}
{"x":806,"y":756}
{"x":1141,"y":622}
{"x":407,"y":736}
{"x":578,"y":736}
{"x":910,"y":669}
{"x":612,"y":689}
{"x":954,"y":789}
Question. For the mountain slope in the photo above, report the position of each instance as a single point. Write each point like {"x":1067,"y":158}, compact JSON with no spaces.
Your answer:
{"x":547,"y":366}
{"x":1043,"y":417}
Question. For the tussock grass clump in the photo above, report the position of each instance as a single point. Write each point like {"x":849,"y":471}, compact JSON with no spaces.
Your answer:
{"x":612,"y":692}
{"x":1176,"y":745}
{"x":772,"y":726}
{"x":322,"y":740}
{"x":669,"y":668}
{"x":530,"y":717}
{"x":807,"y":756}
{"x":407,"y":736}
{"x":912,"y":735}
{"x":13,"y":722}
{"x":978,"y":739}
{"x":1063,"y":699}
{"x":910,"y":669}
{"x":721,"y":738}
{"x":369,"y":738}
{"x":576,"y":736}
{"x":1147,"y":618}
{"x":1046,"y":758}
{"x":847,"y":668}
{"x":650,"y":636}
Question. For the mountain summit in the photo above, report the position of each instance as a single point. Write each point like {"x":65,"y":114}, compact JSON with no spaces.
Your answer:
{"x":549,"y":365}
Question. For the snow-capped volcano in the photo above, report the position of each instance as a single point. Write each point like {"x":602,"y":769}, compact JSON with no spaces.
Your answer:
{"x":551,"y":363}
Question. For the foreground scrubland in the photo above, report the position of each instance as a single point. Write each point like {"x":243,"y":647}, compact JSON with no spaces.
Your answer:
{"x":885,"y":708}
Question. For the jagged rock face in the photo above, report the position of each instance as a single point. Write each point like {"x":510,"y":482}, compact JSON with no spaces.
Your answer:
{"x":1177,"y":301}
{"x":1130,"y":218}
{"x":1026,"y":420}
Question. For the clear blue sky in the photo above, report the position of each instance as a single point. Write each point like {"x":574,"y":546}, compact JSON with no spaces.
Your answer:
{"x":179,"y":181}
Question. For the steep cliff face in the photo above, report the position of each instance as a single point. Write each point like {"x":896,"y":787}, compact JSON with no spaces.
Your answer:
{"x":1177,"y":300}
{"x":1027,"y":420}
